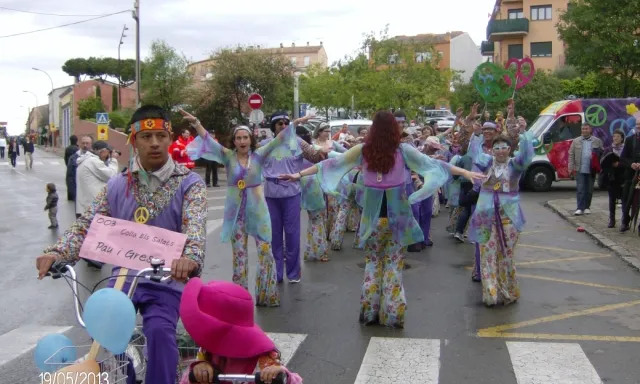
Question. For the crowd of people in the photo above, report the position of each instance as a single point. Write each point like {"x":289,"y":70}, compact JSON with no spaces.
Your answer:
{"x":384,"y":183}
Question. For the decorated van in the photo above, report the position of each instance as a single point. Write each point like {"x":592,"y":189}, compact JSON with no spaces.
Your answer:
{"x":561,"y":122}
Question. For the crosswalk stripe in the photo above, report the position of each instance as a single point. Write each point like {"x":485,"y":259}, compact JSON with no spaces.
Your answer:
{"x":400,"y":360}
{"x":216,"y":207}
{"x":21,"y":340}
{"x":564,"y":363}
{"x":34,"y":163}
{"x":214,"y":224}
{"x":216,"y":198}
{"x":287,"y":344}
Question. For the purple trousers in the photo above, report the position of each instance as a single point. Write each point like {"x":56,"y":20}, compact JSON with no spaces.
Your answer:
{"x":285,"y":217}
{"x":159,"y":306}
{"x":424,"y":217}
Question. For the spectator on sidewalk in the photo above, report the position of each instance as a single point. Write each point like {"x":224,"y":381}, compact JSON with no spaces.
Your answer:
{"x":613,"y":174}
{"x":28,"y":153}
{"x":630,"y":159}
{"x":582,"y":152}
{"x":211,"y":173}
{"x":85,"y":145}
{"x":71,"y":149}
{"x":3,"y":145}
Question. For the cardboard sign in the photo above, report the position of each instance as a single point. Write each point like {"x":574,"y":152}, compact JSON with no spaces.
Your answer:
{"x":130,"y":245}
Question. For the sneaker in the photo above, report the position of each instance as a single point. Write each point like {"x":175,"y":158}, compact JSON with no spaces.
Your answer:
{"x":578,"y":212}
{"x":294,"y":281}
{"x":459,"y":237}
{"x":587,"y":211}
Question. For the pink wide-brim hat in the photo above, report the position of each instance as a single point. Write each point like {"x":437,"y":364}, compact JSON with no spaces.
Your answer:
{"x":219,"y":317}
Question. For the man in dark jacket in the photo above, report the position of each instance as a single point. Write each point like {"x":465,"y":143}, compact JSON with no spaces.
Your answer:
{"x":71,"y":149}
{"x":85,"y":145}
{"x":630,"y":159}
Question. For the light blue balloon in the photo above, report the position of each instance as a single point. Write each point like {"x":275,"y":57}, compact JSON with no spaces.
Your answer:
{"x":50,"y":348}
{"x":110,"y":319}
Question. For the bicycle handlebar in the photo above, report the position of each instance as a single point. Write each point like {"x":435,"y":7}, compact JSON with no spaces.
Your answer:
{"x":157,"y":273}
{"x":280,"y":379}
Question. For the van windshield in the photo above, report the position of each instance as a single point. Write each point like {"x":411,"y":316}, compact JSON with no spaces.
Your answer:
{"x":540,"y":124}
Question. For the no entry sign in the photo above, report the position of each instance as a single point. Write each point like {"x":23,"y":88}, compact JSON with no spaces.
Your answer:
{"x":255,"y":101}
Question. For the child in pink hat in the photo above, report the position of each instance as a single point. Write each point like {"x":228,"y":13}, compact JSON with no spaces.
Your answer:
{"x":218,"y":316}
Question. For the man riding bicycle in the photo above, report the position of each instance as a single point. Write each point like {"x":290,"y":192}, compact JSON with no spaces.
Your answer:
{"x":175,"y":199}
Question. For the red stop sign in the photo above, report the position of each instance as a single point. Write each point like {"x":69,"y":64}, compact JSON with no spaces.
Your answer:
{"x":255,"y":101}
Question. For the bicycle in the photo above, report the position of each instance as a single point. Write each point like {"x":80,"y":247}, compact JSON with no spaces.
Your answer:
{"x":115,"y":370}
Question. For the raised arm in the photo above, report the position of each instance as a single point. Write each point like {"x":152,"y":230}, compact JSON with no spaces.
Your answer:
{"x":204,"y":146}
{"x":194,"y":223}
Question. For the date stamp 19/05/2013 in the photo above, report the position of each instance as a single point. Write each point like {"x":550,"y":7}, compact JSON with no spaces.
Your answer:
{"x":74,"y":378}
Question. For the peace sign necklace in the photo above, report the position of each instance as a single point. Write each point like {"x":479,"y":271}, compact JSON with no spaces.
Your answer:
{"x":245,"y":170}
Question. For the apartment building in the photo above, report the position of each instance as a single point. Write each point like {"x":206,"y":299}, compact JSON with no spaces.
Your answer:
{"x":457,"y":51}
{"x":302,"y":57}
{"x":526,"y":28}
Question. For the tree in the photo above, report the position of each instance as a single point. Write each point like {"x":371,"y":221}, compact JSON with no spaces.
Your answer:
{"x":321,"y":88}
{"x":114,"y":98}
{"x":88,"y":108}
{"x":603,"y":34}
{"x":101,"y":69}
{"x":237,"y":73}
{"x":165,"y":79}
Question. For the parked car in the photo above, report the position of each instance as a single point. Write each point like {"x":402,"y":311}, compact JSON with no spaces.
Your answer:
{"x":354,"y":125}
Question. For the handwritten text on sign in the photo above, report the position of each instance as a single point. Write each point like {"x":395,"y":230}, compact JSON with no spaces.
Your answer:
{"x":130,"y":245}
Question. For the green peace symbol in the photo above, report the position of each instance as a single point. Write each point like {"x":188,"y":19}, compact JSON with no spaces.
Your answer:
{"x":593,"y":117}
{"x":491,"y":90}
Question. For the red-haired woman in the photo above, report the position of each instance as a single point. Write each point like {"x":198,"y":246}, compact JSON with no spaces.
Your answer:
{"x":387,"y":225}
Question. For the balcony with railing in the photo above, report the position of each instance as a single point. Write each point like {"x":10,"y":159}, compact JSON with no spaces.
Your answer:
{"x":486,"y":48}
{"x":501,"y":29}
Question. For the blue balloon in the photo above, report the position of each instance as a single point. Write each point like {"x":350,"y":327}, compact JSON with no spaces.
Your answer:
{"x":535,"y":142}
{"x":110,"y":318}
{"x":57,"y":349}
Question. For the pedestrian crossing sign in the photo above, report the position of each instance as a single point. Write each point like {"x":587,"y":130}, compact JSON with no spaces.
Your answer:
{"x":102,"y":118}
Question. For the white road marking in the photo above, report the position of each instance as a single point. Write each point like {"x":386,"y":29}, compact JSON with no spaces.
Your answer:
{"x":34,"y":163}
{"x":216,"y":207}
{"x":216,"y":198}
{"x":287,"y":344}
{"x":22,"y":340}
{"x":400,"y":360}
{"x":212,"y":225}
{"x":558,"y":363}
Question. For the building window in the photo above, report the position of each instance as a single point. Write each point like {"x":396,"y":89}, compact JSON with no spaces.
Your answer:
{"x":422,"y":57}
{"x":515,"y":51}
{"x":516,"y":14}
{"x":307,"y":61}
{"x":541,"y":12}
{"x":541,"y":49}
{"x":294,"y":60}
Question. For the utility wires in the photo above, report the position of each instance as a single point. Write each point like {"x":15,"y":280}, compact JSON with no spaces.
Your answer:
{"x":45,"y":14}
{"x":65,"y":25}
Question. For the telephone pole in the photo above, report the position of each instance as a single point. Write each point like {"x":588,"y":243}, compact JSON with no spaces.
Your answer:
{"x":136,"y":17}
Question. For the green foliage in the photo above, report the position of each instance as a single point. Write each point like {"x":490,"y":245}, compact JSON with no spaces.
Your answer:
{"x":567,"y":72}
{"x":543,"y":90}
{"x":120,"y":119}
{"x":114,"y":98}
{"x":100,"y":68}
{"x":165,"y":79}
{"x":384,"y":74}
{"x":603,"y":34}
{"x":88,"y":108}
{"x":237,"y":73}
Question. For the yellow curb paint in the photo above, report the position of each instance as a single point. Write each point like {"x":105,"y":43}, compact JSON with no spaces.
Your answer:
{"x":555,"y":336}
{"x":532,"y":232}
{"x":563,"y":316}
{"x":561,"y":250}
{"x":583,"y":283}
{"x":525,"y":263}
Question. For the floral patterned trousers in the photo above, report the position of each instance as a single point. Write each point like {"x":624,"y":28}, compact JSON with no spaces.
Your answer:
{"x":383,"y":299}
{"x":353,"y":218}
{"x":497,"y":267}
{"x":453,"y":219}
{"x":332,"y":214}
{"x":266,"y":292}
{"x":316,"y":248}
{"x":340,"y":225}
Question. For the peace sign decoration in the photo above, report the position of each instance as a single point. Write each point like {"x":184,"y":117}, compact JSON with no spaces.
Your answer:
{"x":489,"y":80}
{"x":523,"y":69}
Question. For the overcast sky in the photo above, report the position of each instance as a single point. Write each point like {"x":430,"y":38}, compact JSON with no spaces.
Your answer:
{"x":198,"y":27}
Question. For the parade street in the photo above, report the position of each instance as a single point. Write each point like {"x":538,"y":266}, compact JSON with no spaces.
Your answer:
{"x":578,"y":319}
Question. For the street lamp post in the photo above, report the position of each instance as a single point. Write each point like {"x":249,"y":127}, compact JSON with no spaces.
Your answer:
{"x":136,"y":17}
{"x":50,"y":102}
{"x":296,"y":102}
{"x":119,"y":70}
{"x":33,"y":111}
{"x":50,"y":79}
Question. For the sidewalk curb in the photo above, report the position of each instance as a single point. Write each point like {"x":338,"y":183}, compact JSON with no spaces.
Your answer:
{"x":599,"y":237}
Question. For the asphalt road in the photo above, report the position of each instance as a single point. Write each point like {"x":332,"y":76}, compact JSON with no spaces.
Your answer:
{"x":578,"y":320}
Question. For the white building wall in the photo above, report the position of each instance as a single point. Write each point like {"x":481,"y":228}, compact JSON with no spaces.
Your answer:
{"x":465,"y":56}
{"x":54,"y":112}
